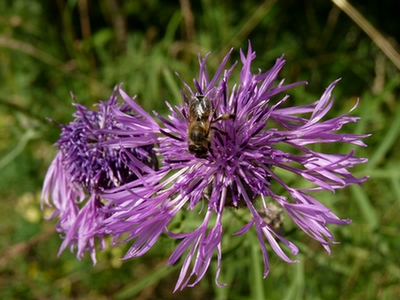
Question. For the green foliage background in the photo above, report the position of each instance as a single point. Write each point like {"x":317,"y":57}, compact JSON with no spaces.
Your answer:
{"x":49,"y":48}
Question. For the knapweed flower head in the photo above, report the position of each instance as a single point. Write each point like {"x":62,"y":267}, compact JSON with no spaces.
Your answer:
{"x":220,"y":148}
{"x":84,"y":167}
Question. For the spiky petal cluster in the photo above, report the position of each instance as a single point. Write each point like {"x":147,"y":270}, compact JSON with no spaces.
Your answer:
{"x":245,"y":155}
{"x":84,"y":167}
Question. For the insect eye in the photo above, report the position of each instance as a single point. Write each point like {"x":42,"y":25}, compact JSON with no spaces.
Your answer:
{"x":201,"y":151}
{"x":198,"y":151}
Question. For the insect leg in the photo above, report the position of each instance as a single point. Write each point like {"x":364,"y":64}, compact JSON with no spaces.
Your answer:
{"x":224,"y":117}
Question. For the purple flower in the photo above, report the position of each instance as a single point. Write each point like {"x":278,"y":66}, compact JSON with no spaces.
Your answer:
{"x":84,"y":167}
{"x":224,"y":147}
{"x":234,"y":166}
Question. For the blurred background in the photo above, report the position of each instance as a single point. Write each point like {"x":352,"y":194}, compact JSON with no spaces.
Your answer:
{"x":50,"y":48}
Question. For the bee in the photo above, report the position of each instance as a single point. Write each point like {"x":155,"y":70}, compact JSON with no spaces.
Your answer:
{"x":200,"y":121}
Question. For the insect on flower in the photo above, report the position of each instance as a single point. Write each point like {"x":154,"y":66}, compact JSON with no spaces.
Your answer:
{"x":201,"y":115}
{"x":245,"y":162}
